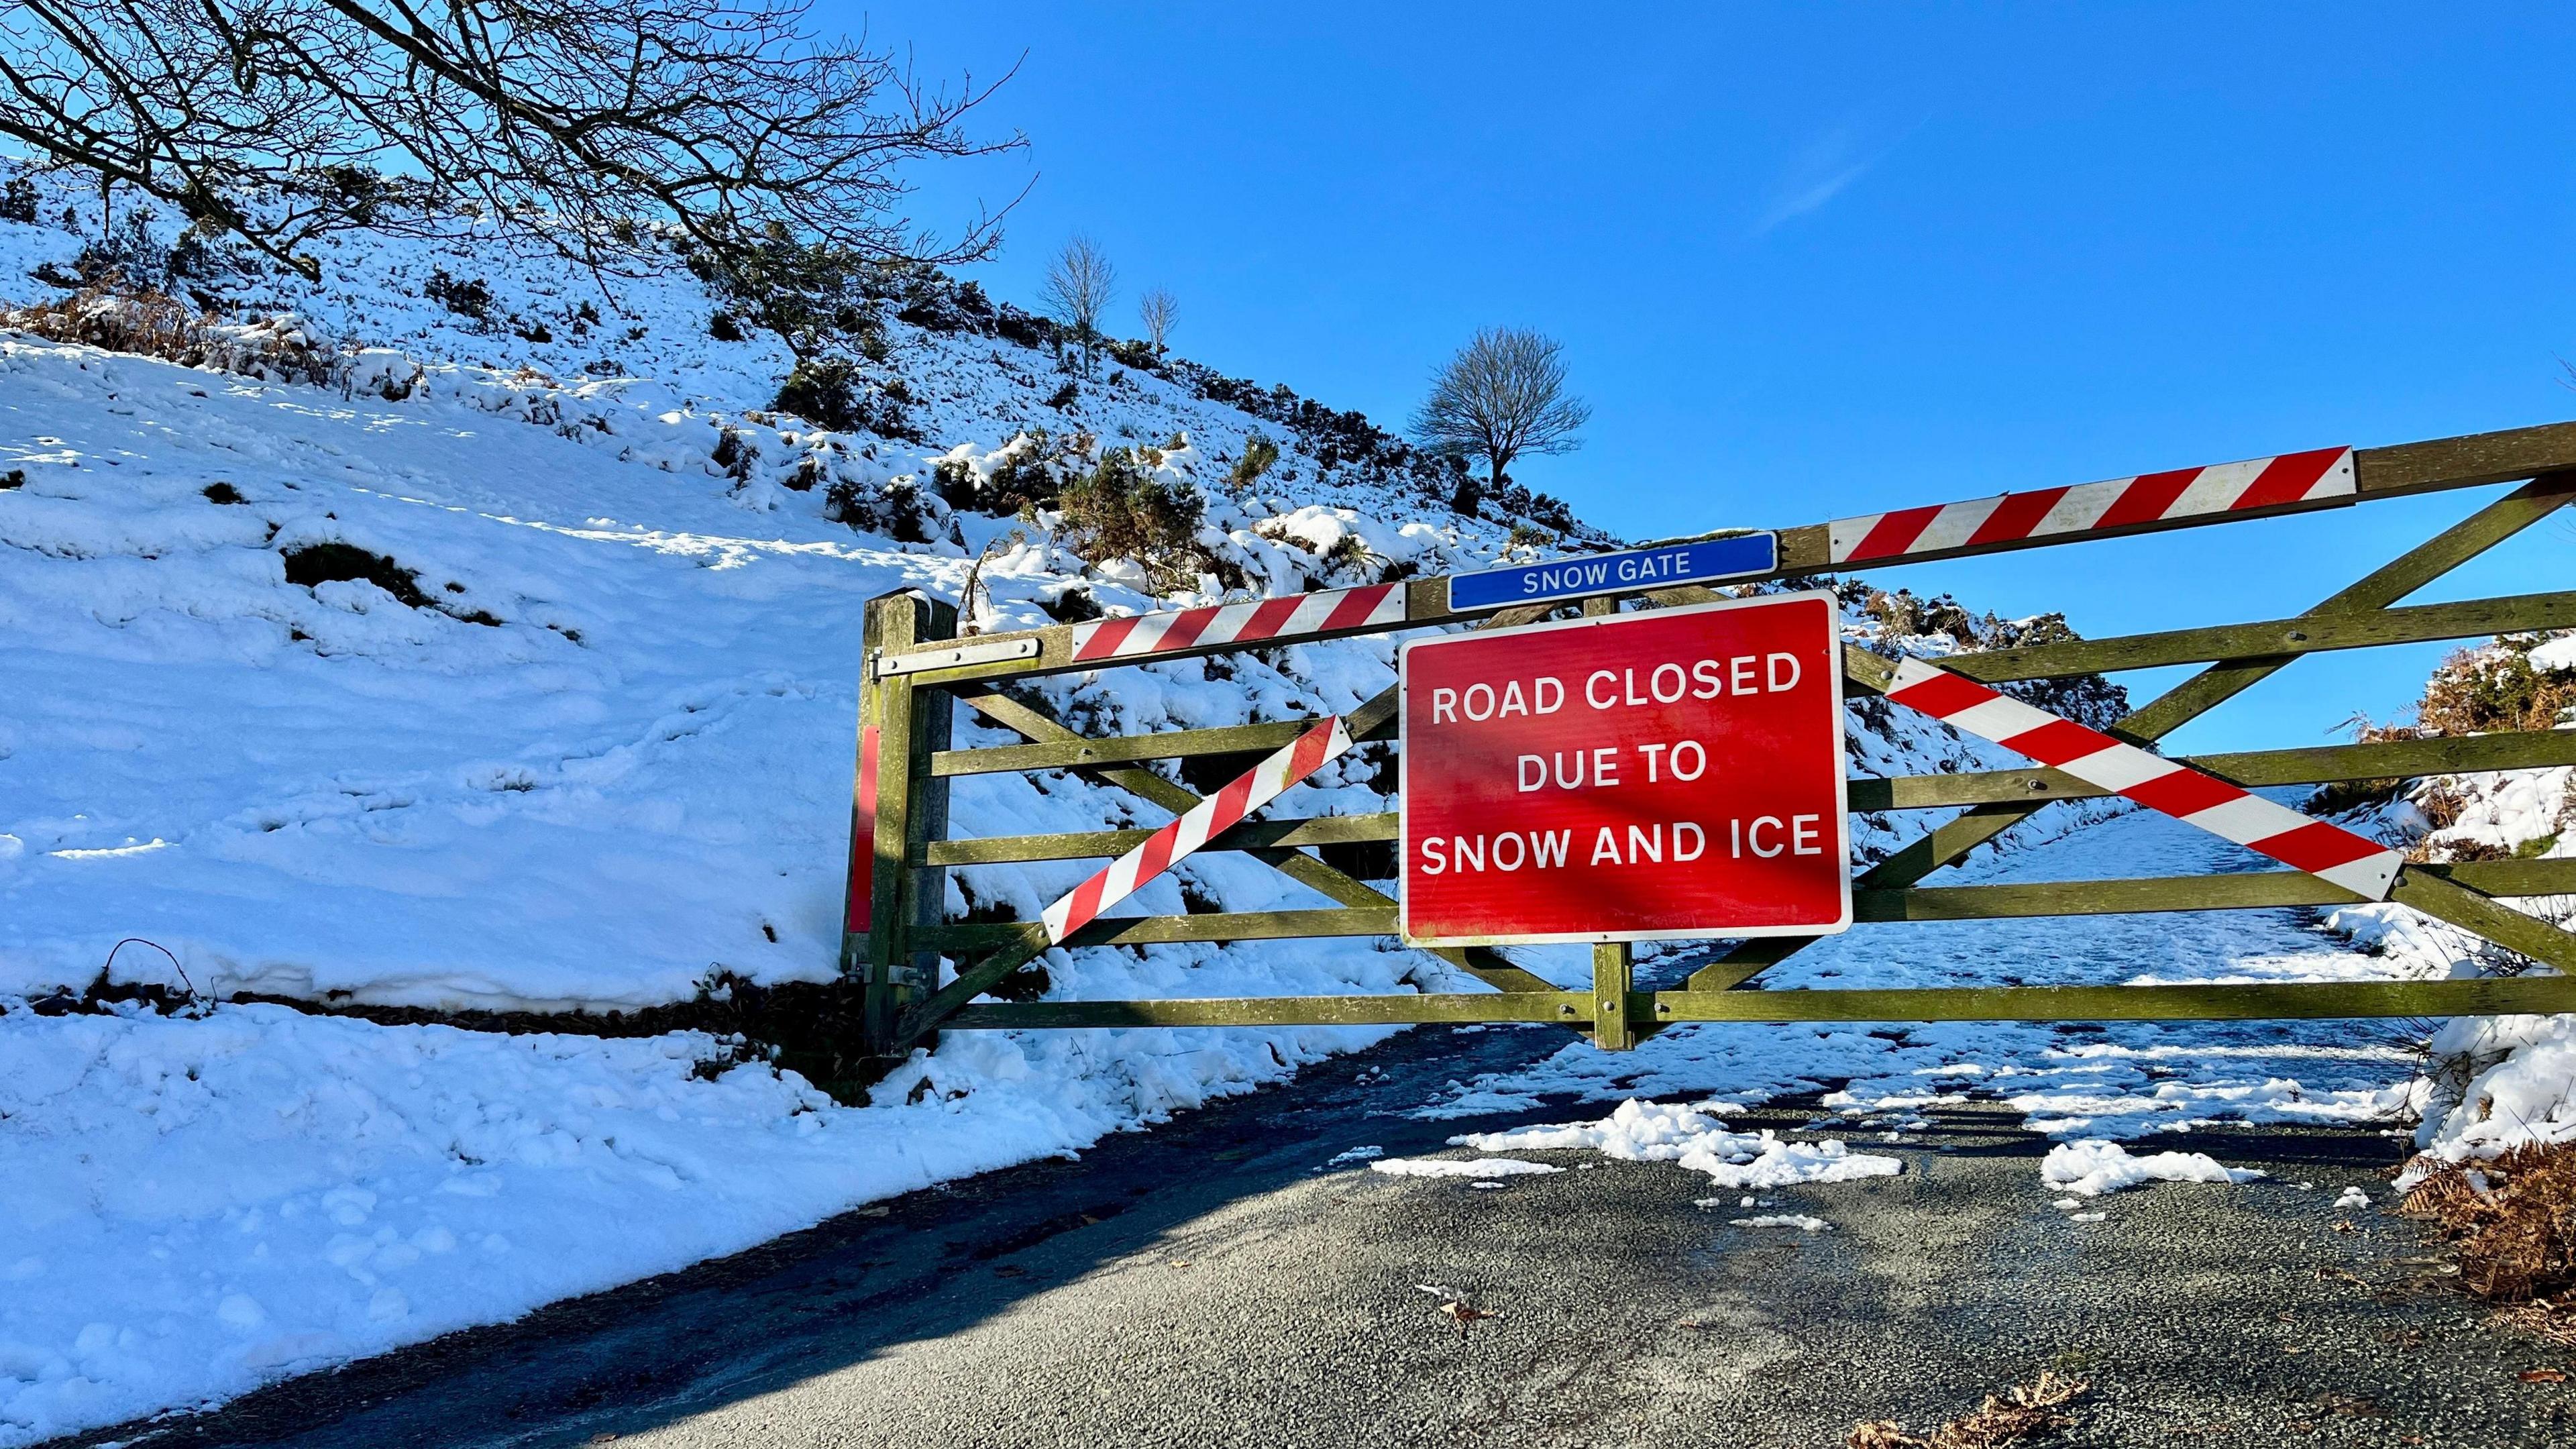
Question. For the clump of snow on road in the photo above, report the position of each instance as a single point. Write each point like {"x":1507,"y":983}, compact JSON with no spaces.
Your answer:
{"x":1801,"y":1221}
{"x":1449,"y":1167}
{"x":1636,"y":1132}
{"x":2093,"y":1167}
{"x":1640,"y":1131}
{"x":2352,"y":1197}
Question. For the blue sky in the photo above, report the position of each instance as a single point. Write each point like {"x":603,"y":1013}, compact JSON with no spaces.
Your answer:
{"x":1815,"y":261}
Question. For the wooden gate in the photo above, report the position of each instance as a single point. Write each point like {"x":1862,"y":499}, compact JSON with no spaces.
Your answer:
{"x":917,"y":672}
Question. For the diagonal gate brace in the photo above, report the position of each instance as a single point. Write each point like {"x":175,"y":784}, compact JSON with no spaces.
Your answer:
{"x":2358,"y":864}
{"x":1201,"y":823}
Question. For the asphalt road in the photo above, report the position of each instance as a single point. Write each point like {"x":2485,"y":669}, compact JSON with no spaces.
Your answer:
{"x":1203,"y":1284}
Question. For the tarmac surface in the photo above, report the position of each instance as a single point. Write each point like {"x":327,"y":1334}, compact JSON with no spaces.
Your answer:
{"x":1205,"y":1284}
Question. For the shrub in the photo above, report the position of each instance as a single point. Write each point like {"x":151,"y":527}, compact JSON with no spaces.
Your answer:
{"x":1063,"y":397}
{"x":2495,"y":687}
{"x":220,"y":492}
{"x":1352,"y":552}
{"x":148,"y":322}
{"x":831,"y":392}
{"x":903,"y":513}
{"x":1525,"y":536}
{"x":724,"y":328}
{"x":954,"y":480}
{"x":18,"y":201}
{"x":468,"y":298}
{"x":1070,"y":604}
{"x":734,"y":453}
{"x":1258,"y":454}
{"x":895,"y":510}
{"x":822,"y":391}
{"x":1030,"y":473}
{"x":324,"y":563}
{"x":1122,"y":510}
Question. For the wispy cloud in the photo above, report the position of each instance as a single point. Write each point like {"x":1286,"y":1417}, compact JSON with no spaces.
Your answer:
{"x":1824,"y":168}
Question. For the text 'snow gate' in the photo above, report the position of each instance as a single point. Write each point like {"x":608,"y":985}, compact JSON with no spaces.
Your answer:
{"x":1675,"y":769}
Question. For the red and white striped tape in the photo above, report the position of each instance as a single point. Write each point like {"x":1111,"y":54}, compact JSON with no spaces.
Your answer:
{"x":2091,"y":507}
{"x":2362,"y":866}
{"x":1239,"y":623}
{"x":1203,"y":822}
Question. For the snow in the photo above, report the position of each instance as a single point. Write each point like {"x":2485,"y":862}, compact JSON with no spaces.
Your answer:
{"x":2352,"y":1197}
{"x":1641,"y":1131}
{"x":1800,"y":1221}
{"x":198,"y":1205}
{"x":1447,"y":1167}
{"x":2094,"y":1166}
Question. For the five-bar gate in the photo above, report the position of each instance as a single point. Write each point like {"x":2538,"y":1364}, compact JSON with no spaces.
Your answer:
{"x":917,"y":672}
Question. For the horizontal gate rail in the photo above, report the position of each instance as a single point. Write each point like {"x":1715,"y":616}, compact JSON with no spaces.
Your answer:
{"x":2240,"y":891}
{"x":2219,"y":1001}
{"x":2271,"y":639}
{"x":897,"y":938}
{"x":1130,"y":749}
{"x":2311,"y":765}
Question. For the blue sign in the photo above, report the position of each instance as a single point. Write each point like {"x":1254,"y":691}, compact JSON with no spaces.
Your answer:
{"x":1746,"y":555}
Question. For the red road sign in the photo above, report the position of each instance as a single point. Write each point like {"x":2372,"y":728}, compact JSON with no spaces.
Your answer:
{"x":1638,"y":777}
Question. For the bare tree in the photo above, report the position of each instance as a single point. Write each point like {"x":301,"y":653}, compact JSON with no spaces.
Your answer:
{"x":1079,"y":284}
{"x":1502,"y":396}
{"x":1158,"y":310}
{"x":569,"y":123}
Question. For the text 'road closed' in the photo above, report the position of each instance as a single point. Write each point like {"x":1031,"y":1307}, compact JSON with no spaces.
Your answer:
{"x":1663,"y":774}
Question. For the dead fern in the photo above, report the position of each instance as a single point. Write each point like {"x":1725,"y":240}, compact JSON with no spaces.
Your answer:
{"x":2511,"y":1223}
{"x":2018,"y":1415}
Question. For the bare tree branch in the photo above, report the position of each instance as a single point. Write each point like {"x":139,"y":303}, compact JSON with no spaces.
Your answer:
{"x":570,"y":124}
{"x":1158,"y":310}
{"x":1079,"y":284}
{"x":1503,"y":395}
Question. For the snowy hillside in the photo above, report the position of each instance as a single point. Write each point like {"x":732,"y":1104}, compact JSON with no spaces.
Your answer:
{"x":458,"y":637}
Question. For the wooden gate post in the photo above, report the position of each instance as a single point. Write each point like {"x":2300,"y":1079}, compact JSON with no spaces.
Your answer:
{"x":896,"y":807}
{"x":1613,"y":975}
